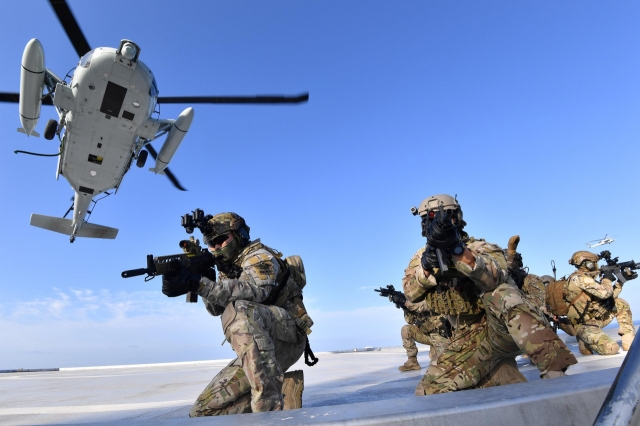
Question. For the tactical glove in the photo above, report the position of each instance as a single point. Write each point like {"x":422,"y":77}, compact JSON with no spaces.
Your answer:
{"x":429,"y":259}
{"x":398,"y":299}
{"x":512,"y":246}
{"x":629,"y":275}
{"x":443,"y":234}
{"x":609,"y":275}
{"x":180,"y":281}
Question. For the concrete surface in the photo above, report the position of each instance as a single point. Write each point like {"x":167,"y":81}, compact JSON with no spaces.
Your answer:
{"x":343,"y":388}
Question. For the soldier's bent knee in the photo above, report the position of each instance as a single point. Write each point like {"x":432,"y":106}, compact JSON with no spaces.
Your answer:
{"x":606,"y":346}
{"x":405,"y":332}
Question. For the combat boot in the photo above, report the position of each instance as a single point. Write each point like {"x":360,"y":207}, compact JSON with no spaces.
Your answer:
{"x":411,"y":364}
{"x":627,"y":340}
{"x":552,"y":374}
{"x":292,"y":388}
{"x":583,"y":348}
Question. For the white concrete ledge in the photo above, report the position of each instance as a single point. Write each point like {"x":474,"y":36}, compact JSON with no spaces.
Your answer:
{"x":570,"y":400}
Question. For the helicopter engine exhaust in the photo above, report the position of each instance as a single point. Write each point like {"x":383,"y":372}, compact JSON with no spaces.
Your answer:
{"x":173,"y":141}
{"x":31,"y":86}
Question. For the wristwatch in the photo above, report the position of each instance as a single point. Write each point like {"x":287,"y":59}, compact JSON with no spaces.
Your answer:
{"x":458,"y":250}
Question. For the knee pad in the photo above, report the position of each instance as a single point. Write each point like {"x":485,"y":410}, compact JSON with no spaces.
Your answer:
{"x":606,"y":346}
{"x":405,"y":332}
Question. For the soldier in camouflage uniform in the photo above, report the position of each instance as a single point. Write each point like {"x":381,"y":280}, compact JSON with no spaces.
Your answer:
{"x":531,"y":285}
{"x":593,"y":304}
{"x":259,"y":297}
{"x":425,"y":328}
{"x":561,"y":322}
{"x":492,"y":321}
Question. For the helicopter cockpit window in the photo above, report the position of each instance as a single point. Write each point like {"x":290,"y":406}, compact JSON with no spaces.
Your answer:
{"x":153,"y":90}
{"x":86,"y":59}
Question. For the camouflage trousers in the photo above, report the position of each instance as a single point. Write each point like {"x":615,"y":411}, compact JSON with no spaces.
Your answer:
{"x":267,"y":342}
{"x":412,"y":334}
{"x":469,"y":362}
{"x":511,"y":325}
{"x":515,"y":323}
{"x":598,"y":341}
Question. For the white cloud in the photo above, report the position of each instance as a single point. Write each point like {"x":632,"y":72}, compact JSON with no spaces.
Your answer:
{"x":79,"y":327}
{"x":82,"y":304}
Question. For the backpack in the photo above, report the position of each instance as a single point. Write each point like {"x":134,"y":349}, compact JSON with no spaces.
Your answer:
{"x":288,"y":294}
{"x":554,"y":298}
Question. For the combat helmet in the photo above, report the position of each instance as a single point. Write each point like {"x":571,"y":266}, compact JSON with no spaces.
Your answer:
{"x":219,"y":228}
{"x":584,"y":258}
{"x":431,"y":205}
{"x":546,"y":279}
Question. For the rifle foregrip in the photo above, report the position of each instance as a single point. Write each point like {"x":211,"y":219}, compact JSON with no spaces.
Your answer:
{"x":134,"y":272}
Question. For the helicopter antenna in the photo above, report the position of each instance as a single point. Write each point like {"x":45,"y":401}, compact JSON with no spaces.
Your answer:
{"x":35,"y":153}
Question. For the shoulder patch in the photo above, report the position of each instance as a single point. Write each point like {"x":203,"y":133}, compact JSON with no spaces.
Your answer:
{"x":258,"y":258}
{"x":261,"y":266}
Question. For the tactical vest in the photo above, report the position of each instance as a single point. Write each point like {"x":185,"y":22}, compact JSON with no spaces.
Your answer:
{"x":580,"y":308}
{"x":455,"y":294}
{"x":291,"y":280}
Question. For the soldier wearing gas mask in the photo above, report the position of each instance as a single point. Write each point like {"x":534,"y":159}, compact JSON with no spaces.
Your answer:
{"x":592,"y":304}
{"x":467,"y":280}
{"x":259,"y":297}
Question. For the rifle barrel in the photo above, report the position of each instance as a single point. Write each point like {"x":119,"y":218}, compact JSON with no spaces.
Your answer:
{"x":134,"y":272}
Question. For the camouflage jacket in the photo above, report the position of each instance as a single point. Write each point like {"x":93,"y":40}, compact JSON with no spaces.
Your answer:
{"x":261,"y":272}
{"x":426,"y":322}
{"x":534,"y":290}
{"x":589,"y":300}
{"x":457,"y":291}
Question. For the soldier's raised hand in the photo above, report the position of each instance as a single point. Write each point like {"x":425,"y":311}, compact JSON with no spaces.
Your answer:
{"x":442,"y":233}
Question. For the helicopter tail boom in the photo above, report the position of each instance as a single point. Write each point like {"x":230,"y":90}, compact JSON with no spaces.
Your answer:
{"x":65,"y":226}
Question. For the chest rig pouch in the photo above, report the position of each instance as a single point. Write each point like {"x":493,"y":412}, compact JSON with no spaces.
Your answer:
{"x":454,"y":295}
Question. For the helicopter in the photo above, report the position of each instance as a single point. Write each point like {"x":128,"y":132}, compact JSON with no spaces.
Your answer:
{"x":106,"y":120}
{"x":605,"y":240}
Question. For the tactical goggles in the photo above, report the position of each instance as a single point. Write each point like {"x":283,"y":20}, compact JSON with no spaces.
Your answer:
{"x":217,"y":241}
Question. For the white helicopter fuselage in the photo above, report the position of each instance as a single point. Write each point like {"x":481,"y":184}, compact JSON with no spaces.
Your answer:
{"x":106,"y":104}
{"x":601,"y":242}
{"x":106,"y":114}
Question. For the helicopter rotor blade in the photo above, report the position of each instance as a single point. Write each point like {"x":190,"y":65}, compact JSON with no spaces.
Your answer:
{"x":265,"y":99}
{"x":71,"y":27}
{"x":167,"y":172}
{"x":15,"y":98}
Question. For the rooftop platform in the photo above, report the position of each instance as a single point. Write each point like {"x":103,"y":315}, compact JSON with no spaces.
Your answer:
{"x":358,"y":388}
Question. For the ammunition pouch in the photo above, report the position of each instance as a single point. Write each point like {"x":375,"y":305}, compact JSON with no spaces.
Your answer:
{"x":455,"y":297}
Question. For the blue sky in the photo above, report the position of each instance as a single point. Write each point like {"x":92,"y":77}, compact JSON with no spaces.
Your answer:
{"x":528,"y":111}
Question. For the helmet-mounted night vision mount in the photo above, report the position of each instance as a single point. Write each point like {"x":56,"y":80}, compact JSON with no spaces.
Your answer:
{"x":197,"y":220}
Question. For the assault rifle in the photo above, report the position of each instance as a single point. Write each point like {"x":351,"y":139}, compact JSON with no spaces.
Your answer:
{"x":561,"y":323}
{"x":441,"y":217}
{"x":201,"y":263}
{"x":622,"y":271}
{"x":397,"y":297}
